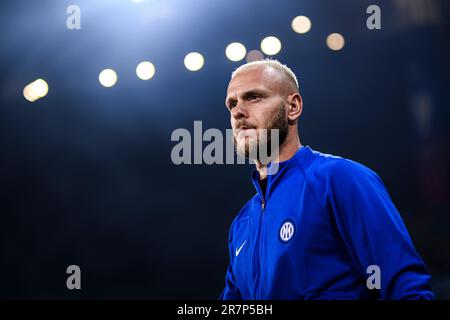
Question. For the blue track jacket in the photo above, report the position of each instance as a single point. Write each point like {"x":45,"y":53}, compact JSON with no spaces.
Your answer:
{"x":325,"y":229}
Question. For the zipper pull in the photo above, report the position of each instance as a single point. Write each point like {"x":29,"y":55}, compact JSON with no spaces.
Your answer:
{"x":263,"y":204}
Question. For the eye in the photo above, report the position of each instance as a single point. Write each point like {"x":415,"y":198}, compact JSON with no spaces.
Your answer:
{"x":231,"y":105}
{"x":253,"y":97}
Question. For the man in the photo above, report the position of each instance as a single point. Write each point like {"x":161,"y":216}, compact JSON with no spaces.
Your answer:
{"x":320,"y":226}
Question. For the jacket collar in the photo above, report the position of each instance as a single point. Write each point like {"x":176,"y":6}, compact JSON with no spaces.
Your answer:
{"x":299,"y":158}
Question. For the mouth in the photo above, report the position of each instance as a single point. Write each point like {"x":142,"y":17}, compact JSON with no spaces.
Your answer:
{"x":245,"y":131}
{"x":245,"y":128}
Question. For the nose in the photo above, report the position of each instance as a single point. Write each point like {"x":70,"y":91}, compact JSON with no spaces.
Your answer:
{"x":238,"y":112}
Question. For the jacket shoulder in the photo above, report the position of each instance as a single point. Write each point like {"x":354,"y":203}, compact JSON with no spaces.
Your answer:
{"x":328,"y":166}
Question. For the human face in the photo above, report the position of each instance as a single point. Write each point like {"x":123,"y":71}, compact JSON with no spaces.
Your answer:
{"x":256,"y":101}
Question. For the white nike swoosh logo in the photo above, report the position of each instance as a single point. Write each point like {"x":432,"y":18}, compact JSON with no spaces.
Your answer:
{"x":239,"y":250}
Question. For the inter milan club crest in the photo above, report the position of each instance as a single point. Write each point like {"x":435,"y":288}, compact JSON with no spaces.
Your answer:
{"x":287,"y":231}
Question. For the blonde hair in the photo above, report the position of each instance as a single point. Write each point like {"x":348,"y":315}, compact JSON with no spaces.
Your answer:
{"x":269,"y":63}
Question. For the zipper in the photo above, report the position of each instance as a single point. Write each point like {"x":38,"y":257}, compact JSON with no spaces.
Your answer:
{"x":258,"y":288}
{"x":259,"y":248}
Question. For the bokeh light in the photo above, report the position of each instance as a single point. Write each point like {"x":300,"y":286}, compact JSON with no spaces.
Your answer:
{"x":145,"y":70}
{"x":254,"y":55}
{"x":271,"y":45}
{"x":35,"y":90}
{"x":194,"y":61}
{"x":335,"y":41}
{"x":301,"y":24}
{"x":107,"y":78}
{"x":235,"y":51}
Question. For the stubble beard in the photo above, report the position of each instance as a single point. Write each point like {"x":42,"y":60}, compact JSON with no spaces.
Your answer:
{"x":250,"y":147}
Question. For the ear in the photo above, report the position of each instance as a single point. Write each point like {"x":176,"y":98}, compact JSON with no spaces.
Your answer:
{"x":295,"y":106}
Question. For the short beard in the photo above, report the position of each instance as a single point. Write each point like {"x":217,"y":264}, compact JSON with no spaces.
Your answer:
{"x":251,"y":150}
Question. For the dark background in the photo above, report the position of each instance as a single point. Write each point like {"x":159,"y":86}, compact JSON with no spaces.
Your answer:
{"x":86,"y":173}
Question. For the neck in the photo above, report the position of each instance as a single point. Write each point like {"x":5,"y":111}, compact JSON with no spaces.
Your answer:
{"x":287,"y":150}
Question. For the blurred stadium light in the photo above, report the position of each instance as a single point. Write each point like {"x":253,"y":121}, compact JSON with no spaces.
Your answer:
{"x":35,"y":90}
{"x":271,"y":45}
